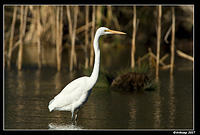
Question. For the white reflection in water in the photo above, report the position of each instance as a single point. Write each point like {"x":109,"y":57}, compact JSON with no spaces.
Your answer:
{"x":53,"y":126}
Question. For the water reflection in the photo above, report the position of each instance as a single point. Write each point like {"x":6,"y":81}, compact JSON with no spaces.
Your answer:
{"x":37,"y":83}
{"x":37,"y":87}
{"x":19,"y":106}
{"x":132,"y":113}
{"x":28,"y":93}
{"x":157,"y":106}
{"x":172,"y":106}
{"x":54,"y":126}
{"x":20,"y":83}
{"x":87,"y":114}
{"x":58,"y":82}
{"x":20,"y":90}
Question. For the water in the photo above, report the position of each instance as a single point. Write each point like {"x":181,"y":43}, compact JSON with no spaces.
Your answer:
{"x":28,"y":92}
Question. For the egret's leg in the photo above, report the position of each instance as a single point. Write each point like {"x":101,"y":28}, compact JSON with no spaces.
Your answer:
{"x":75,"y":122}
{"x":72,"y":116}
{"x":76,"y":116}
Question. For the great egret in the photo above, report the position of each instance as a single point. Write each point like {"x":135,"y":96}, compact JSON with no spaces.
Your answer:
{"x":76,"y":93}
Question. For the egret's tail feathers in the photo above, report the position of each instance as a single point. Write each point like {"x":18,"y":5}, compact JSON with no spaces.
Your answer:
{"x":51,"y":107}
{"x":51,"y":101}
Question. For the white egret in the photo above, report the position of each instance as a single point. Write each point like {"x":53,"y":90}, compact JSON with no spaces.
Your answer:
{"x":76,"y":93}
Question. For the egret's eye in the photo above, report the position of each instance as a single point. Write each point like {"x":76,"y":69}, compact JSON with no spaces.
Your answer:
{"x":105,"y":30}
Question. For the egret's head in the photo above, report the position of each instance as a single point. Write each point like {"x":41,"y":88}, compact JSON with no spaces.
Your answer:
{"x":104,"y":31}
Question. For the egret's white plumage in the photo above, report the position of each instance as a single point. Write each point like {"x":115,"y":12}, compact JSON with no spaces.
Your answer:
{"x":76,"y":93}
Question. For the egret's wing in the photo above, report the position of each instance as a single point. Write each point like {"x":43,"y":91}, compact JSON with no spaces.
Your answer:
{"x":70,"y":94}
{"x":73,"y":86}
{"x":67,"y":99}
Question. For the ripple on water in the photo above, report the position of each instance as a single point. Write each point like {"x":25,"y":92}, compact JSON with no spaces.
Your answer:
{"x":54,"y":126}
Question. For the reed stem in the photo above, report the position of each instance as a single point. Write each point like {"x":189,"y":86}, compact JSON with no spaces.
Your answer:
{"x":158,"y":40}
{"x":133,"y":38}
{"x":86,"y":36}
{"x":38,"y":37}
{"x":172,"y":42}
{"x":11,"y":36}
{"x":92,"y":37}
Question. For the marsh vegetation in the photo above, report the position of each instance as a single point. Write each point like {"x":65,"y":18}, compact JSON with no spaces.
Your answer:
{"x":46,"y":47}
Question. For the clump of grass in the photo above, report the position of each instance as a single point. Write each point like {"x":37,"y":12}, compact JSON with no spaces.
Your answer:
{"x":144,"y":68}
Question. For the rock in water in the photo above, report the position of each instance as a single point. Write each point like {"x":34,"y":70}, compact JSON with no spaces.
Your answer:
{"x":130,"y":81}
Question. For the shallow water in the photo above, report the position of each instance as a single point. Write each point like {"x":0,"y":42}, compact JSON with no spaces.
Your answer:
{"x":28,"y":92}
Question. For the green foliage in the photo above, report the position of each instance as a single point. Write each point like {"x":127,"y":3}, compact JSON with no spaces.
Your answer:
{"x":143,"y":68}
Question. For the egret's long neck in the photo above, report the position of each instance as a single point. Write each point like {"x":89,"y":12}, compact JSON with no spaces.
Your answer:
{"x":95,"y":72}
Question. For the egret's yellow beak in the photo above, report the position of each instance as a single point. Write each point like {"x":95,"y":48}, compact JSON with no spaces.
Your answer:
{"x":115,"y":32}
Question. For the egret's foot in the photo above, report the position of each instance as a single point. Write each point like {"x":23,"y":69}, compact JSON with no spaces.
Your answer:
{"x":74,"y":119}
{"x":74,"y":122}
{"x":76,"y":116}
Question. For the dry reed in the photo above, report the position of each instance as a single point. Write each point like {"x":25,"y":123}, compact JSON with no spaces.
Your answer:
{"x":184,"y":55}
{"x":92,"y":37}
{"x":23,"y":15}
{"x":172,"y":42}
{"x":73,"y":55}
{"x":133,"y":39}
{"x":38,"y":36}
{"x":158,"y":40}
{"x":11,"y":36}
{"x":86,"y":36}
